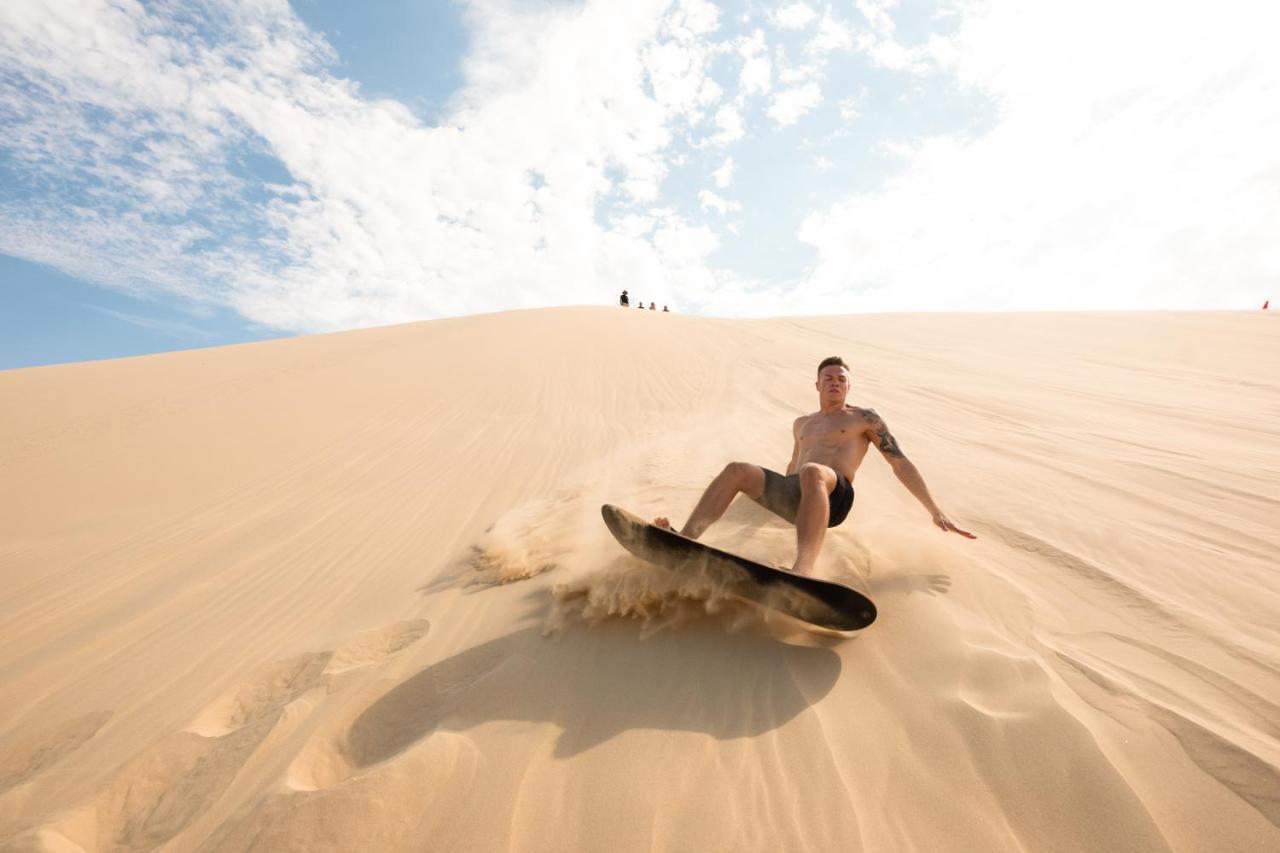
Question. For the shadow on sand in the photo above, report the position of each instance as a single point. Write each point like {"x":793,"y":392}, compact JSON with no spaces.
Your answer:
{"x":595,"y":684}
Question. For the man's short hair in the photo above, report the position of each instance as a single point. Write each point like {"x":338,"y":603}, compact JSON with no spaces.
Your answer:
{"x":828,"y":362}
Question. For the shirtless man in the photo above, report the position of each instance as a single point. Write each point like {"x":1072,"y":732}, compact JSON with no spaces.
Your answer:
{"x":817,"y":490}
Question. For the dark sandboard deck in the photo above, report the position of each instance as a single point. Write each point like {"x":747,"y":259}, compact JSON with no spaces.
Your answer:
{"x":818,"y":602}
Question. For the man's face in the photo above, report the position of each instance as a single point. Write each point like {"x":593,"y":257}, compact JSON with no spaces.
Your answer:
{"x":833,"y":383}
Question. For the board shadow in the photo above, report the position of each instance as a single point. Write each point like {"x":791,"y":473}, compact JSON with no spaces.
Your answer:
{"x":598,"y":684}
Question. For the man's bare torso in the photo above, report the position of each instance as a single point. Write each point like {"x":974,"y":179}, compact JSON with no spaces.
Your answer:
{"x":838,"y":440}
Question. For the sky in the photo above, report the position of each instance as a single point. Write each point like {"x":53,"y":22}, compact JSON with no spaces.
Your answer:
{"x":187,"y":174}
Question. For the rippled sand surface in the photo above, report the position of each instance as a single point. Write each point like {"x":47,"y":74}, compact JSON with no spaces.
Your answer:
{"x":353,"y":591}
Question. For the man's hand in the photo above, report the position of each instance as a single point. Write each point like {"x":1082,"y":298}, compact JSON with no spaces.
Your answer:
{"x":945,"y":523}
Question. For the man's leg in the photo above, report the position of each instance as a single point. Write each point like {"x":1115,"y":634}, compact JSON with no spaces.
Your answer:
{"x":816,"y":485}
{"x":736,"y":477}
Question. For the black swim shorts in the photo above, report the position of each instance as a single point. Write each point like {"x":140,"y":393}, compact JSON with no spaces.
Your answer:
{"x":782,"y":496}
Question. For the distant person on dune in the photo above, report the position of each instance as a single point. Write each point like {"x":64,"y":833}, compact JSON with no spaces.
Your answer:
{"x":817,"y":490}
{"x":665,"y":310}
{"x":623,"y":301}
{"x":653,"y":307}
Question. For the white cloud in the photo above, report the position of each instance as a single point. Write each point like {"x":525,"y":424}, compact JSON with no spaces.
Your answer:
{"x":1107,"y":182}
{"x":724,"y":175}
{"x":677,"y":67}
{"x":710,"y":201}
{"x":850,"y":109}
{"x":795,"y":16}
{"x":789,"y":106}
{"x":126,"y":122}
{"x":696,"y":17}
{"x":632,"y":225}
{"x":683,"y":245}
{"x":756,"y":77}
{"x":879,"y":42}
{"x":791,"y":73}
{"x":729,"y":126}
{"x":887,"y":53}
{"x":832,"y":35}
{"x":1131,"y":164}
{"x":877,"y":14}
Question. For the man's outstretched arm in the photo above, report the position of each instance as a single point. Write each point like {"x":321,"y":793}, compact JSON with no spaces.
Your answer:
{"x":907,"y":473}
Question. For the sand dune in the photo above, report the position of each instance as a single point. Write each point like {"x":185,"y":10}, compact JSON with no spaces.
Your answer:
{"x":353,"y":592}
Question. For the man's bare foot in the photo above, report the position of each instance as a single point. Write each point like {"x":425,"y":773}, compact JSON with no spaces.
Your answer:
{"x":807,"y":570}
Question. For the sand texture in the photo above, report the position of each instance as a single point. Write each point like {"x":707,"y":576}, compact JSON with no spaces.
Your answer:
{"x":353,"y":592}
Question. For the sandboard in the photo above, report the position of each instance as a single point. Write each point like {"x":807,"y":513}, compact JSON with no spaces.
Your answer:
{"x":823,"y":603}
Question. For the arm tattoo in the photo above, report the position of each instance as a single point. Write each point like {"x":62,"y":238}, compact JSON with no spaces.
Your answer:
{"x":888,"y":444}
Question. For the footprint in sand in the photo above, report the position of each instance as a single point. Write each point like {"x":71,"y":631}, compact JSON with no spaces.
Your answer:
{"x":374,"y":646}
{"x":170,"y":785}
{"x":167,"y":787}
{"x":321,"y":764}
{"x":282,"y":682}
{"x":273,"y":687}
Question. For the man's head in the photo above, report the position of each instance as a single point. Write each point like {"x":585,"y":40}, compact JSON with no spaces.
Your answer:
{"x":833,"y":380}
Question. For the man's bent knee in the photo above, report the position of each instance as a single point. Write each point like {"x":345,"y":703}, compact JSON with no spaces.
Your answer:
{"x":747,"y":478}
{"x":813,"y":475}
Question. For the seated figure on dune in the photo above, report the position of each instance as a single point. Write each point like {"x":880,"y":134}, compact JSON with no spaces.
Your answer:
{"x":817,"y":490}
